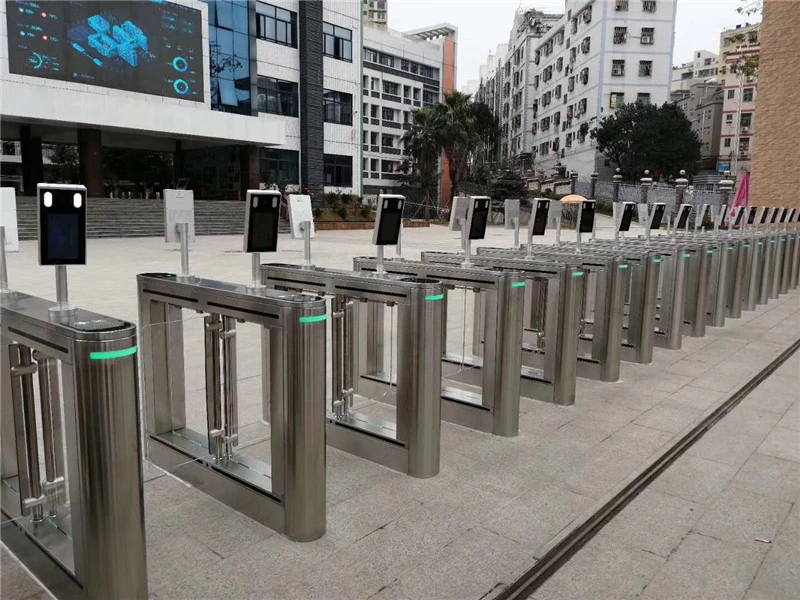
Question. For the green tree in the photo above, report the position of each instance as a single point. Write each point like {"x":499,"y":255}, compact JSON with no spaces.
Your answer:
{"x":642,"y":136}
{"x":422,"y":145}
{"x":459,"y":135}
{"x":64,"y":159}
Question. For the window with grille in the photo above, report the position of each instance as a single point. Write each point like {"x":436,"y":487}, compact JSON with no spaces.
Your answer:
{"x":747,"y":95}
{"x":620,"y":35}
{"x":648,"y":35}
{"x":643,"y":98}
{"x":618,"y":68}
{"x":649,"y":6}
{"x":645,"y":68}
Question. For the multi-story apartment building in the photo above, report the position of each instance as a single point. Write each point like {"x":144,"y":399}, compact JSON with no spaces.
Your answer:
{"x":585,"y":64}
{"x":702,"y":68}
{"x":376,"y":13}
{"x":702,"y":105}
{"x":402,"y":73}
{"x":488,"y":76}
{"x":740,"y":49}
{"x":241,"y":92}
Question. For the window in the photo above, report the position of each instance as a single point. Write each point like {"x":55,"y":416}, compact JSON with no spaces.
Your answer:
{"x":365,"y":83}
{"x":649,"y":6}
{"x":557,"y":92}
{"x":390,"y":88}
{"x":338,"y":43}
{"x":535,"y":81}
{"x":616,"y":100}
{"x":373,"y":164}
{"x":648,"y":36}
{"x":744,"y":144}
{"x":731,"y":94}
{"x":620,"y":35}
{"x":387,"y":61}
{"x":747,"y":120}
{"x":557,"y":118}
{"x":373,"y":111}
{"x":387,"y":114}
{"x":338,"y":170}
{"x":645,"y":68}
{"x":582,"y":106}
{"x":707,"y":61}
{"x":747,"y":95}
{"x":429,"y":72}
{"x":621,"y":5}
{"x":279,"y":165}
{"x":618,"y":68}
{"x":643,"y":98}
{"x":277,"y":97}
{"x":416,"y":94}
{"x":388,"y":166}
{"x":430,"y":97}
{"x":728,"y":119}
{"x":370,"y":55}
{"x":586,"y":44}
{"x":373,"y":138}
{"x":584,"y":75}
{"x":404,"y":65}
{"x":560,"y":64}
{"x":568,"y":141}
{"x":276,"y":24}
{"x":338,"y":107}
{"x":727,"y":142}
{"x":573,"y":54}
{"x":571,"y":84}
{"x":407,"y":91}
{"x":387,"y":141}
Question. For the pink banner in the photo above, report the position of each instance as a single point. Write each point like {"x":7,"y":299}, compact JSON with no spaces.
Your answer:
{"x":742,"y":197}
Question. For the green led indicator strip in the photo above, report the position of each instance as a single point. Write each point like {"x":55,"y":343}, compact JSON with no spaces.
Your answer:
{"x":578,"y":274}
{"x":435,"y":298}
{"x":687,"y":256}
{"x":656,"y":260}
{"x":623,"y":267}
{"x":730,"y":248}
{"x":747,"y":245}
{"x":517,"y":284}
{"x":112,"y":354}
{"x":317,"y":319}
{"x":709,"y":252}
{"x":772,"y":241}
{"x":760,"y":243}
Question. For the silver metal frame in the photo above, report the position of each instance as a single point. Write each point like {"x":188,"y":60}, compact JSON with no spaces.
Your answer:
{"x":287,"y":495}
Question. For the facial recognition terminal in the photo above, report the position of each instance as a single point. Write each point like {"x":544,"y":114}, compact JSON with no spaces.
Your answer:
{"x":683,"y":216}
{"x":458,"y":212}
{"x":751,"y":215}
{"x":774,"y":218}
{"x":586,"y":224}
{"x":511,"y":212}
{"x":626,"y":218}
{"x":388,"y":220}
{"x":538,"y":223}
{"x":764,"y":215}
{"x":62,"y":224}
{"x":700,"y":218}
{"x":261,"y":221}
{"x":738,"y":216}
{"x":478,"y":216}
{"x":300,"y":211}
{"x":719,"y":219}
{"x":784,"y":214}
{"x":657,"y":215}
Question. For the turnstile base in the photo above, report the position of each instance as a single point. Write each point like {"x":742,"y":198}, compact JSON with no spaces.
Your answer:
{"x":357,"y":440}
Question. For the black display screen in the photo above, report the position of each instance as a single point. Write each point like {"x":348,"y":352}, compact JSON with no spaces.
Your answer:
{"x":587,"y":217}
{"x":389,"y":227}
{"x":148,"y":46}
{"x":263,"y":234}
{"x":751,"y":217}
{"x":764,"y":215}
{"x":480,"y":216}
{"x":63,"y":238}
{"x":658,"y":216}
{"x":62,"y":226}
{"x":627,"y":217}
{"x":784,"y":214}
{"x":775,"y":212}
{"x":540,"y":218}
{"x":683,"y":217}
{"x":738,"y":220}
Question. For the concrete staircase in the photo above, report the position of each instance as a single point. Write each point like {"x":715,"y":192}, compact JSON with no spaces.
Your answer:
{"x":108,"y":218}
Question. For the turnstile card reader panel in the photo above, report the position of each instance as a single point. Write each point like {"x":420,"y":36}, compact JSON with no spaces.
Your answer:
{"x":510,"y":213}
{"x":478,"y":216}
{"x":586,"y":217}
{"x":539,"y":218}
{"x":458,"y":212}
{"x":300,"y":211}
{"x":764,"y":215}
{"x":682,"y":219}
{"x":774,"y":217}
{"x":721,"y":212}
{"x":62,"y":224}
{"x":388,"y":220}
{"x":701,"y":216}
{"x":784,"y":214}
{"x":626,"y":216}
{"x":261,"y":220}
{"x":751,"y":215}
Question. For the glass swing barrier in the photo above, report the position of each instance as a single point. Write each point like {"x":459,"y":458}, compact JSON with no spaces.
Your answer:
{"x":233,"y":386}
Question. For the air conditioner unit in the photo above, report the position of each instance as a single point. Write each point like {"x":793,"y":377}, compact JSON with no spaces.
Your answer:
{"x":646,"y":39}
{"x":751,"y":78}
{"x":745,"y":129}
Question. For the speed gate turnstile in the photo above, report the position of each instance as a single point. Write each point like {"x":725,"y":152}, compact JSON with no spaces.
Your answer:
{"x":72,"y":507}
{"x":494,"y":363}
{"x":287,"y":495}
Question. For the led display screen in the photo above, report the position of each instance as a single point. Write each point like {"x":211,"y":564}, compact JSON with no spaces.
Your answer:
{"x":389,"y":230}
{"x":627,"y":217}
{"x":587,"y":217}
{"x":683,"y":217}
{"x":540,"y":220}
{"x":480,"y":216}
{"x":264,"y":231}
{"x":150,"y":46}
{"x":658,"y":216}
{"x":63,"y":236}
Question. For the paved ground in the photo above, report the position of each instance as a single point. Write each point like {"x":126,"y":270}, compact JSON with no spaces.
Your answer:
{"x":498,"y":503}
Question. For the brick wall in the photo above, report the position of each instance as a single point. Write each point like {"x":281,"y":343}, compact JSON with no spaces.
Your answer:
{"x":775,"y":162}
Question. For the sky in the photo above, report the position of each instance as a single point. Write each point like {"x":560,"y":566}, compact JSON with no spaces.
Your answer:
{"x":482,"y":24}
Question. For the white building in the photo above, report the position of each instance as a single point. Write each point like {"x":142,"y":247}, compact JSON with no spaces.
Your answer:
{"x":402,"y":73}
{"x":261,"y":92}
{"x":376,"y":13}
{"x":702,"y":68}
{"x":558,"y":85}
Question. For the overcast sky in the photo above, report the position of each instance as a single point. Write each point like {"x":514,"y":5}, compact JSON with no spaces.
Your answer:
{"x":482,"y":24}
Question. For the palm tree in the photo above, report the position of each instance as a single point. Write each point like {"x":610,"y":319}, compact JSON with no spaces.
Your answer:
{"x":422,"y":144}
{"x":460,"y":137}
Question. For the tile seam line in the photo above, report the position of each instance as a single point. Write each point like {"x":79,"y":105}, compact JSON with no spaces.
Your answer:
{"x":554,"y":558}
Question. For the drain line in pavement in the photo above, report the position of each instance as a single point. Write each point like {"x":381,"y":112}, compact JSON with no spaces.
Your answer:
{"x":562,"y":551}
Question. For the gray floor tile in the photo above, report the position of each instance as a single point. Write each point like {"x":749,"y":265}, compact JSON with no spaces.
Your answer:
{"x":696,"y":398}
{"x":750,"y":421}
{"x":15,"y":581}
{"x":770,"y":400}
{"x":454,"y":574}
{"x":535,"y":517}
{"x":779,"y":574}
{"x":782,"y":443}
{"x":694,"y":478}
{"x":769,"y":476}
{"x":669,"y":417}
{"x":791,"y":419}
{"x":654,"y":522}
{"x":704,"y":569}
{"x":725,"y":446}
{"x":603,"y":569}
{"x":743,"y":518}
{"x":605,"y":468}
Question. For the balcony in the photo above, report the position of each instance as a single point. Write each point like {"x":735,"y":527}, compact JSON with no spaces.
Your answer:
{"x":391,"y":124}
{"x":375,"y":94}
{"x":375,"y":149}
{"x":392,"y":98}
{"x":388,"y":150}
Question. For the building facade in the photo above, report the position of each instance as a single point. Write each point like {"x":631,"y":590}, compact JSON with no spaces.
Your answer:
{"x":740,"y":50}
{"x":376,"y":13}
{"x":702,"y":68}
{"x":402,"y":72}
{"x":575,"y":69}
{"x":702,"y":104}
{"x":241,"y":92}
{"x":774,"y":177}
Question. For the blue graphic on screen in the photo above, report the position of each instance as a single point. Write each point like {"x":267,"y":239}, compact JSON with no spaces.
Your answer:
{"x":153,"y":47}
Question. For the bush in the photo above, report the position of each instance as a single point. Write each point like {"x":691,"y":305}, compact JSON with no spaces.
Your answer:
{"x":367,"y":213}
{"x":342,"y":212}
{"x":317,"y":212}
